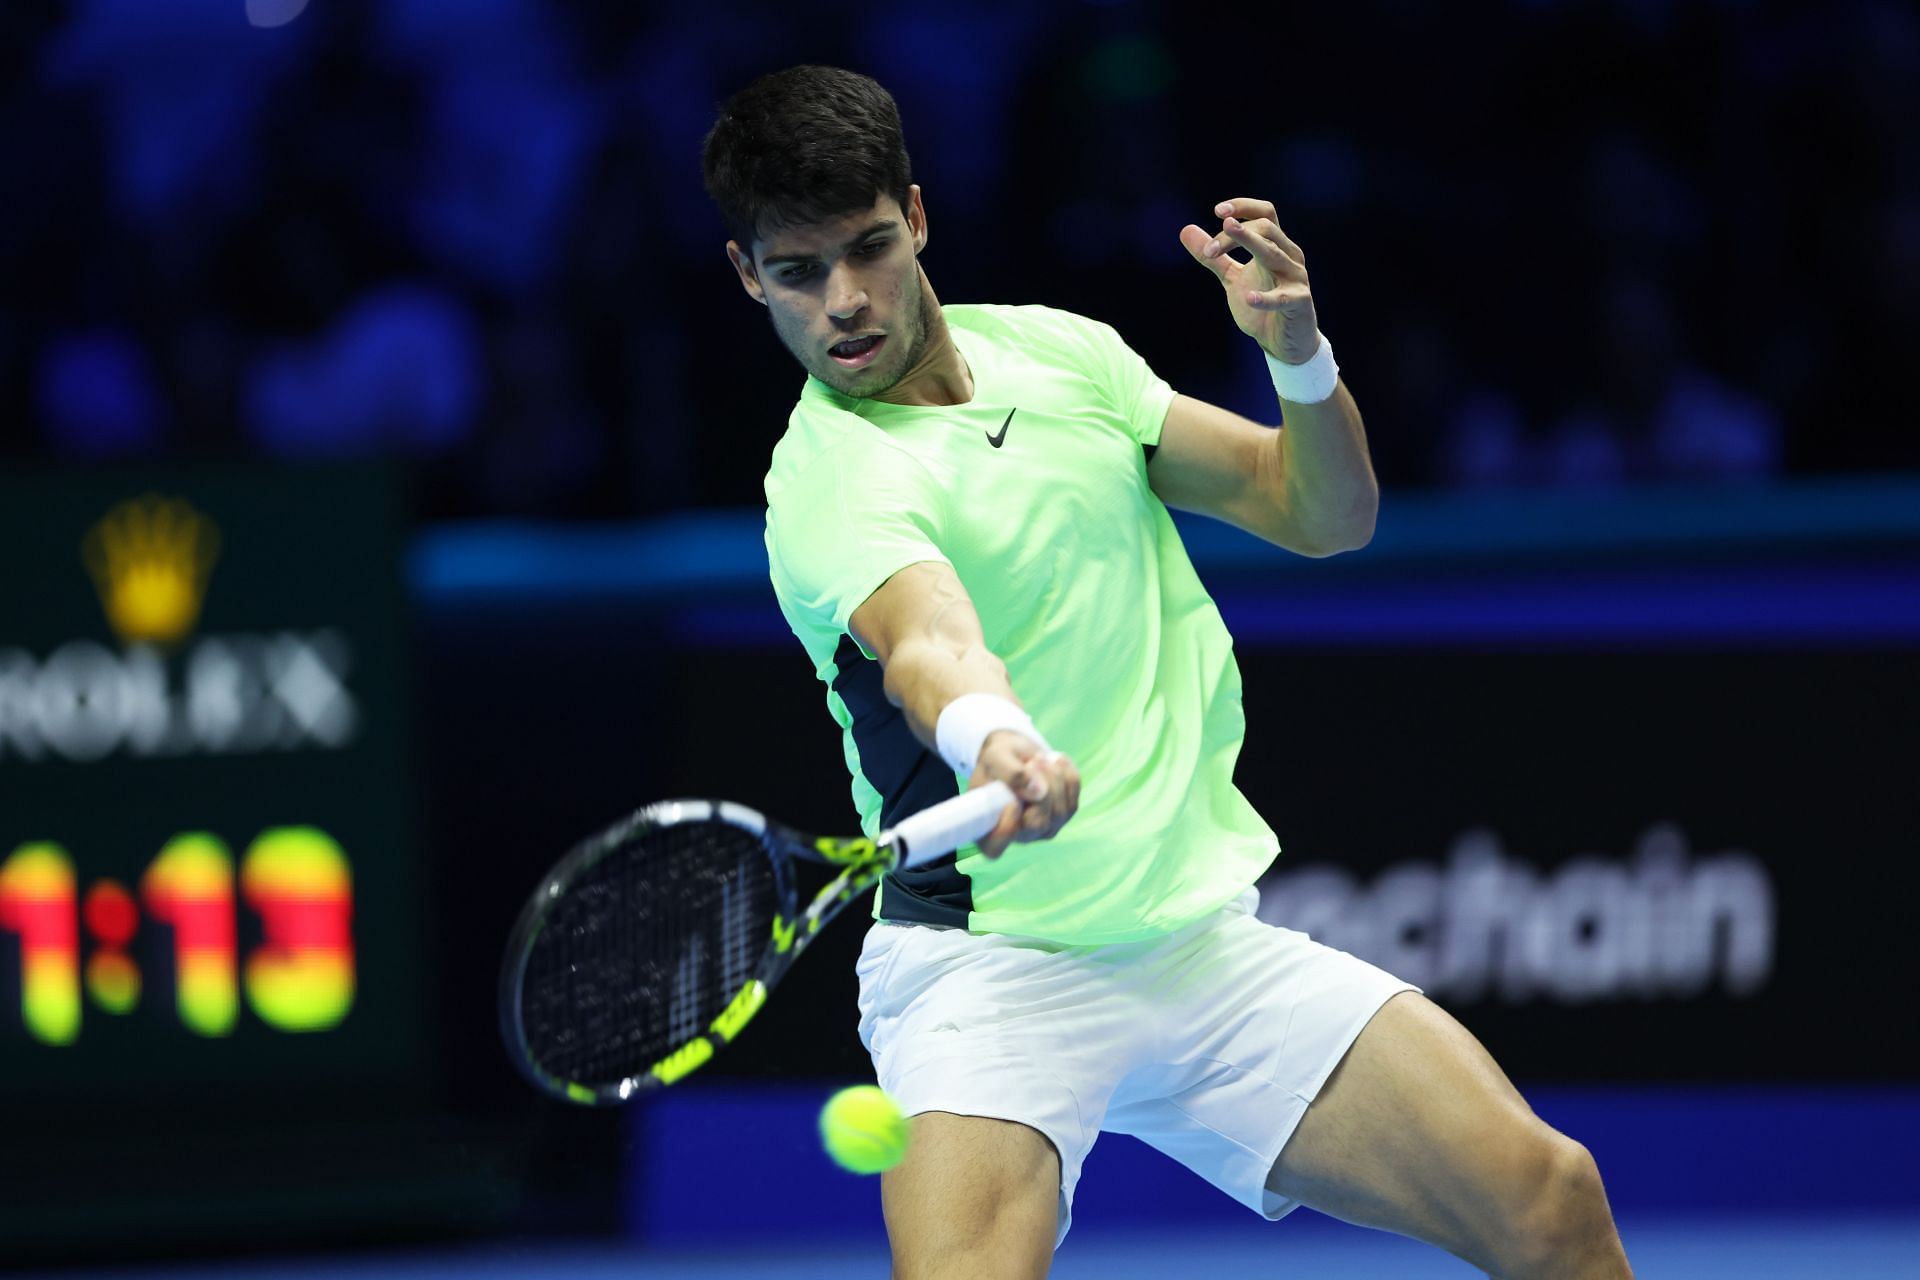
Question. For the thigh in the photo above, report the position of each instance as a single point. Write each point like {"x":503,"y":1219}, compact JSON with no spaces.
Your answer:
{"x":1417,"y":1131}
{"x":980,"y":1026}
{"x":974,"y":1197}
{"x":1253,"y":1023}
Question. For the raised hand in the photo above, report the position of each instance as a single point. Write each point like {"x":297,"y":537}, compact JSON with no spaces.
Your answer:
{"x":1268,"y":293}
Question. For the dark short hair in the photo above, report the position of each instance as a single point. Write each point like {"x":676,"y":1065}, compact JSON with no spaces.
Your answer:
{"x":804,"y":145}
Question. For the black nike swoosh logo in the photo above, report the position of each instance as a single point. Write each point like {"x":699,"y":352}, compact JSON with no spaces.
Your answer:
{"x":996,"y":440}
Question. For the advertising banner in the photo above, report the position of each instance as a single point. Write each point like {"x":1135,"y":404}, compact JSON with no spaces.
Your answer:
{"x":1631,"y":866}
{"x":207,"y":878}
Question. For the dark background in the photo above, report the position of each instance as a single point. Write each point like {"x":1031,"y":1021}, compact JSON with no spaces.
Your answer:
{"x":1556,"y":243}
{"x":1626,"y":292}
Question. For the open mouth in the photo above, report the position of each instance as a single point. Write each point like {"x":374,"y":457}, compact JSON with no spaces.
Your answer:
{"x":856,"y":353}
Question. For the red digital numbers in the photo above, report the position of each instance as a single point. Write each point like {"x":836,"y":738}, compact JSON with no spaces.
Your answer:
{"x":37,"y":904}
{"x":301,"y":977}
{"x":296,"y":881}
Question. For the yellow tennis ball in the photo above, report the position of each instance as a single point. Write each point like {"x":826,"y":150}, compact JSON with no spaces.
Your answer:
{"x":863,"y":1130}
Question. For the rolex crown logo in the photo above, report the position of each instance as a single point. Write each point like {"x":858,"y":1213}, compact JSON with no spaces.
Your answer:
{"x":150,"y":557}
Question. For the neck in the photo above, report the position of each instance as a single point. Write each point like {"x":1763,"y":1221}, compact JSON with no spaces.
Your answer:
{"x":939,"y":376}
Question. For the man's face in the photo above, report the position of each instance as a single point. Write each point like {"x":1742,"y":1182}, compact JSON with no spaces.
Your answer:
{"x":844,"y":293}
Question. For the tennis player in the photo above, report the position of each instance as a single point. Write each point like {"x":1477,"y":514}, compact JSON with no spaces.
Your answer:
{"x":967,"y":528}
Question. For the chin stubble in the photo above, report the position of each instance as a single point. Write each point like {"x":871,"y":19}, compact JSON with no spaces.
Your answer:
{"x":916,"y":351}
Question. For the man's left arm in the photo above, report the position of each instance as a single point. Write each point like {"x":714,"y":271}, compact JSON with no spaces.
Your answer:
{"x":1309,"y":486}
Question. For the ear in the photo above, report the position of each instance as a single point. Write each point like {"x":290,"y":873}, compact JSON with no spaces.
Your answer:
{"x":743,"y":266}
{"x":916,"y":213}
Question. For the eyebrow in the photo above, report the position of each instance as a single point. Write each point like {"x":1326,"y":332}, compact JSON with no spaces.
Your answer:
{"x":885,"y":224}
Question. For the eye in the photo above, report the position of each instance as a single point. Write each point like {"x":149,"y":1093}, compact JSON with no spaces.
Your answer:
{"x":870,"y":248}
{"x":796,"y":273}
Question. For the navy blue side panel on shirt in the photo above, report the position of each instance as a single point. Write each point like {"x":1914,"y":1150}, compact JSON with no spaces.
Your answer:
{"x":909,"y":778}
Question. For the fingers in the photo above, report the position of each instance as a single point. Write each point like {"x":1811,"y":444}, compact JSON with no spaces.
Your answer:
{"x":1200,"y":245}
{"x":1269,"y":226}
{"x":1069,"y":782}
{"x":1046,"y":786}
{"x":995,"y":842}
{"x":1247,"y":210}
{"x":1268,"y":245}
{"x":1254,"y":225}
{"x":1052,"y":795}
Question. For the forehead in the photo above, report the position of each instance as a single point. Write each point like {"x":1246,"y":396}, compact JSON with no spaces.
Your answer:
{"x":827,"y":236}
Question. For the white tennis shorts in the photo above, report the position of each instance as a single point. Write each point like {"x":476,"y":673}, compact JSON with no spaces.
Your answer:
{"x":1207,"y":1043}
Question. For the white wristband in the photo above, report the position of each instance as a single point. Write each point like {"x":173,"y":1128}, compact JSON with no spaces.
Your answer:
{"x":966,"y":721}
{"x":1309,"y":382}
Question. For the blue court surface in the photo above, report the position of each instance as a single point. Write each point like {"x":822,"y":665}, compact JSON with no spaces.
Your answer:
{"x":1694,"y":1248}
{"x":727,"y":1183}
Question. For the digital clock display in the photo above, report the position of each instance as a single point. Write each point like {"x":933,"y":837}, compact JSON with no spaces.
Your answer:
{"x":207,"y":880}
{"x":294,"y":879}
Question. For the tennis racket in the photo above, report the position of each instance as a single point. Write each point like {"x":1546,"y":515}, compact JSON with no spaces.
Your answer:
{"x":650,"y":945}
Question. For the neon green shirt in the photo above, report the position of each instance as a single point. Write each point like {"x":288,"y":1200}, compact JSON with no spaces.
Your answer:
{"x":1083,"y":589}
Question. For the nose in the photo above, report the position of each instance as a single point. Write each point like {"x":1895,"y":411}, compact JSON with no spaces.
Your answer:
{"x":845,"y":296}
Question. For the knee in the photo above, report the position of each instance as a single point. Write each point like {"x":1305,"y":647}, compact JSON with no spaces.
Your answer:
{"x":994,"y":1219}
{"x":1007,"y":1237}
{"x":1558,"y":1223}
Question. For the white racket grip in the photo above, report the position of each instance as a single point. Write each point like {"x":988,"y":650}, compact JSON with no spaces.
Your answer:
{"x":937,"y":831}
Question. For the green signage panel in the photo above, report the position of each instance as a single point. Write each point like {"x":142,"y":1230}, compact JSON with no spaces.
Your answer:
{"x":207,"y":880}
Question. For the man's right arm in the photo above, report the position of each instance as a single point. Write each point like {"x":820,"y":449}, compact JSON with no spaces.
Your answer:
{"x":922,"y":627}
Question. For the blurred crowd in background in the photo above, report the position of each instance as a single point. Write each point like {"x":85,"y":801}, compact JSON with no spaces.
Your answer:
{"x":1555,"y":243}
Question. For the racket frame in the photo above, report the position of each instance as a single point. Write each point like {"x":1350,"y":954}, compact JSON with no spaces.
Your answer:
{"x":862,"y":862}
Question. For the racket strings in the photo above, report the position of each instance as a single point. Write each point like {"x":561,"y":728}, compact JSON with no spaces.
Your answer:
{"x":646,"y":948}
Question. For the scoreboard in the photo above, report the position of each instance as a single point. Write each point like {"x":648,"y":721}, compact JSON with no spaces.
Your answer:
{"x":208,"y":886}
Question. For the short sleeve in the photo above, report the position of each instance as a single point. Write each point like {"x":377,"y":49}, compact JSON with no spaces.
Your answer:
{"x":844,"y":525}
{"x":1139,"y":394}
